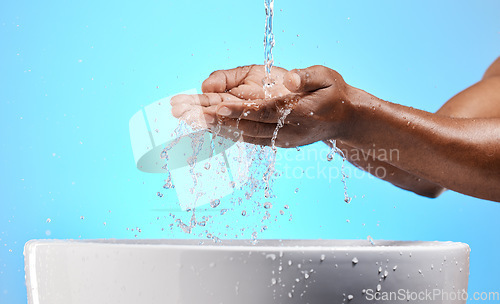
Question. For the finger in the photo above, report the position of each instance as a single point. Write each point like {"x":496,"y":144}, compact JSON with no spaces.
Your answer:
{"x":251,"y":128}
{"x":309,"y":79}
{"x":182,"y":103}
{"x":209,"y":115}
{"x":195,"y":118}
{"x":206,"y":99}
{"x":257,"y":110}
{"x":256,"y":140}
{"x":260,"y":141}
{"x":179,"y":109}
{"x":201,"y":117}
{"x":246,"y":91}
{"x":224,"y":80}
{"x":261,"y":133}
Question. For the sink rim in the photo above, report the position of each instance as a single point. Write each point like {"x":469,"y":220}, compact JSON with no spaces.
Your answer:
{"x":265,"y":244}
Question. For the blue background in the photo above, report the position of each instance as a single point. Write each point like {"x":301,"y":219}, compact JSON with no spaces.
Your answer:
{"x":73,"y":73}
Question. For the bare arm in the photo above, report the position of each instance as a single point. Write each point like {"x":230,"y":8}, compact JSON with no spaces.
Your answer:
{"x":479,"y":101}
{"x":457,"y":148}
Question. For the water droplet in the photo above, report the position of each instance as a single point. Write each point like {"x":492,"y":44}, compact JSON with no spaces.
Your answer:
{"x":371,"y":240}
{"x":215,"y":203}
{"x":286,"y":206}
{"x":330,"y":155}
{"x":306,"y":275}
{"x":48,"y":220}
{"x":271,"y":256}
{"x":355,"y":260}
{"x":254,"y":237}
{"x":243,"y":213}
{"x":322,"y":258}
{"x":350,"y":297}
{"x":223,"y":211}
{"x":379,"y":287}
{"x":207,"y":166}
{"x":268,"y":205}
{"x":395,"y":267}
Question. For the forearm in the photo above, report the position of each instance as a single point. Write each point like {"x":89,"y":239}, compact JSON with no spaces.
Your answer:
{"x":431,"y":146}
{"x":365,"y":160}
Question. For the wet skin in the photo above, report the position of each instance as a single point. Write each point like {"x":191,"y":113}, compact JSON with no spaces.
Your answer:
{"x":456,"y":148}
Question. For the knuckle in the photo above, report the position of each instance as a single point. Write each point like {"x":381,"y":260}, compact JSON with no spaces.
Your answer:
{"x":215,"y":73}
{"x":174,"y":100}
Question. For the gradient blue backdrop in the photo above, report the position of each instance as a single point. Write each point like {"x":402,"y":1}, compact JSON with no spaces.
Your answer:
{"x":73,"y":73}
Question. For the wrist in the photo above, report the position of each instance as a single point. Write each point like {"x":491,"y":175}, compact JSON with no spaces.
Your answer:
{"x":360,"y":108}
{"x":351,"y":104}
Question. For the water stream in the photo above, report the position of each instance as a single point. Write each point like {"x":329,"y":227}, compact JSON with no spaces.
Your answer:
{"x":268,"y":81}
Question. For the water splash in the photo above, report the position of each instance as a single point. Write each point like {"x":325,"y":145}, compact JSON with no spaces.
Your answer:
{"x":177,"y":134}
{"x":259,"y":176}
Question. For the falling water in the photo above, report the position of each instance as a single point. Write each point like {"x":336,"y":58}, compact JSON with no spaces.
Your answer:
{"x":268,"y":45}
{"x":268,"y":82}
{"x":329,"y":157}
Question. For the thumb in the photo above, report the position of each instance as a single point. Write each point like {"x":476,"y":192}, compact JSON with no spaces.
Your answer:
{"x":309,"y":79}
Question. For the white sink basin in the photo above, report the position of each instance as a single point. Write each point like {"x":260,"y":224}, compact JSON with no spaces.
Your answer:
{"x":238,"y":272}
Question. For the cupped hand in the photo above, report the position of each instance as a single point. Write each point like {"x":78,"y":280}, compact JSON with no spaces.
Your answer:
{"x":314,"y":98}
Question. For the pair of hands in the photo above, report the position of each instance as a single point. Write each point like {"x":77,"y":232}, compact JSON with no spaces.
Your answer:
{"x":235,"y":98}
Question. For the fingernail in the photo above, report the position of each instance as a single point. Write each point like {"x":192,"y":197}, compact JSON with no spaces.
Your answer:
{"x":209,"y":118}
{"x":224,"y":111}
